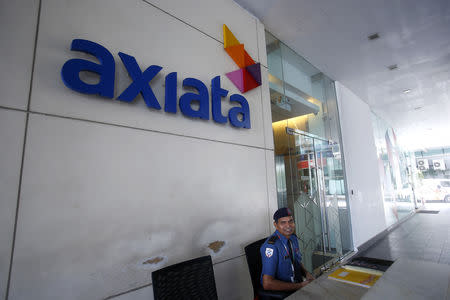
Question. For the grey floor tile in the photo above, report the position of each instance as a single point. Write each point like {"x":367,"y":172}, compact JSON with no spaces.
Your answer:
{"x":422,"y":237}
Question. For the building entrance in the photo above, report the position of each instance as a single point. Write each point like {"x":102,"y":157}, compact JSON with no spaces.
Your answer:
{"x":308,"y":157}
{"x":315,"y":192}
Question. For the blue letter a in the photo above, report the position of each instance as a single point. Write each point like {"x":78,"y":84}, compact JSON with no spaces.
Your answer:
{"x":70,"y":72}
{"x":201,"y":97}
{"x":244,"y":111}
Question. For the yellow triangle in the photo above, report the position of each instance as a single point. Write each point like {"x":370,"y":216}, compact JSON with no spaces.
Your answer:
{"x":228,"y":38}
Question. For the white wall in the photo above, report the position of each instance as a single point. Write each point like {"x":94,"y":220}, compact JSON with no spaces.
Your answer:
{"x":17,"y":36}
{"x":366,"y":202}
{"x":107,"y":186}
{"x":12,"y":128}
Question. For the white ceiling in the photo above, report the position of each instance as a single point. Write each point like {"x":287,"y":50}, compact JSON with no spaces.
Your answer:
{"x":414,"y":35}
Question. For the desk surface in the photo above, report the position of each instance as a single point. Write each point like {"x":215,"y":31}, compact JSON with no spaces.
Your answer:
{"x":405,"y":279}
{"x":324,"y":288}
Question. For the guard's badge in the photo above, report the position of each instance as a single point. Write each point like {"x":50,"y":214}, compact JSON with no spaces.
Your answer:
{"x":269,"y":252}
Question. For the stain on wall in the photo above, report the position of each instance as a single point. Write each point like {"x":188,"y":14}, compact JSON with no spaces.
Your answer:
{"x":153,"y":260}
{"x":216,"y":246}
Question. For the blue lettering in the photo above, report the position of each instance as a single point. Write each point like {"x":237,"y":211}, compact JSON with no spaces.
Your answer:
{"x":70,"y":71}
{"x":216,"y":100}
{"x":202,"y":97}
{"x":170,"y":104}
{"x":140,"y":82}
{"x":244,"y":111}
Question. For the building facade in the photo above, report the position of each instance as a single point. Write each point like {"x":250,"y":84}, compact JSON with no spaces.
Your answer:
{"x":97,"y":192}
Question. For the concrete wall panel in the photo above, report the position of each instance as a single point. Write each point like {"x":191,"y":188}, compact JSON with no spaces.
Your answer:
{"x":271,"y":188}
{"x":103,"y":206}
{"x":12,"y":129}
{"x":17,"y":35}
{"x":233,"y":279}
{"x":111,"y":190}
{"x":266,"y":109}
{"x":232,"y":282}
{"x":145,"y":293}
{"x":209,"y":16}
{"x":152,"y":37}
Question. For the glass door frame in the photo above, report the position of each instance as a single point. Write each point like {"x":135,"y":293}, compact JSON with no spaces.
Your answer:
{"x":319,"y":185}
{"x":318,"y":149}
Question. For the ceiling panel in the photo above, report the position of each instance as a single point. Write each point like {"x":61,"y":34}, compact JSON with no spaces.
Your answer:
{"x":414,"y":35}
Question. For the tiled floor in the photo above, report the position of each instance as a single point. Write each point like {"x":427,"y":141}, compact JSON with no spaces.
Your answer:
{"x":423,"y":237}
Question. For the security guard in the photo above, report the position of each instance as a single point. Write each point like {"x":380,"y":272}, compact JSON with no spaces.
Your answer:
{"x":282,"y":269}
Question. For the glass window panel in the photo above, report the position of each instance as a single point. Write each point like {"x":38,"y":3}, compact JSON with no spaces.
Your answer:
{"x":394,"y":175}
{"x":309,"y":168}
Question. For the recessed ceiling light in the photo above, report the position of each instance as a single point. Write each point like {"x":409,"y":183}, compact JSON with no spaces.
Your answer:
{"x":406,"y":91}
{"x":373,"y":36}
{"x":392,"y":67}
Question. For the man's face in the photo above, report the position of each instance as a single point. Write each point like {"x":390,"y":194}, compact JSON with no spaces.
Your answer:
{"x":285,"y":226}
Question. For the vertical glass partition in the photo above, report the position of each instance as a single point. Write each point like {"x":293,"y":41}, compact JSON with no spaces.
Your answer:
{"x":395,"y":173}
{"x":308,"y":157}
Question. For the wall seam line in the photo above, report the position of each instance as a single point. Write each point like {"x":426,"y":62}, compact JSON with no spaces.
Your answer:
{"x":13,"y":244}
{"x":131,"y":127}
{"x":184,"y":22}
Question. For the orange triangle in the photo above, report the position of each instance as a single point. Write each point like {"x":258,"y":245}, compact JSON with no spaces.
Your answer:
{"x":236,"y":52}
{"x":248,"y":60}
{"x":228,"y":38}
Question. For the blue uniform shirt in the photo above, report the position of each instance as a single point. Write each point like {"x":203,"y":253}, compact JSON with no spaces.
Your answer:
{"x":275,"y":257}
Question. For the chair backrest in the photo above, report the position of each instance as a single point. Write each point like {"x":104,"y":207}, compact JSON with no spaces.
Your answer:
{"x":254,"y":263}
{"x":192,"y":279}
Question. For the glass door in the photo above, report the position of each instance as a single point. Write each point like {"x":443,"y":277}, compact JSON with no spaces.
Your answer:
{"x":330,"y":189}
{"x":315,"y":184}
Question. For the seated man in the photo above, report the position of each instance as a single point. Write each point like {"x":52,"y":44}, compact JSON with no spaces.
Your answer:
{"x":282,"y":269}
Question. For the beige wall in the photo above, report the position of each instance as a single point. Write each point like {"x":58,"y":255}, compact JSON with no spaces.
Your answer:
{"x":112,"y":191}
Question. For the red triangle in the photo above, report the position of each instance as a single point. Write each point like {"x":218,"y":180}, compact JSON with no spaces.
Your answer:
{"x":249,"y":82}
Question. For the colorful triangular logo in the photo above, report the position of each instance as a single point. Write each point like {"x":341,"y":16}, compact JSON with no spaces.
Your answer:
{"x":248,"y":76}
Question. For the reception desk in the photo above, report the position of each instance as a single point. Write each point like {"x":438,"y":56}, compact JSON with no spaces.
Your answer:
{"x":405,"y":279}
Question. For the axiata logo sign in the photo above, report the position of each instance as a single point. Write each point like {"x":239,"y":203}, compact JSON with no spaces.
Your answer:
{"x":248,"y":76}
{"x":239,"y":116}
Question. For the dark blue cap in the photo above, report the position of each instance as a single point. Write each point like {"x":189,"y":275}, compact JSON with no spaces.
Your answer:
{"x":281,"y":213}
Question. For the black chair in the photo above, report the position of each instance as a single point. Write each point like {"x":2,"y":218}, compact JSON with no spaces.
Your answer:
{"x":254,"y":262}
{"x":192,"y":279}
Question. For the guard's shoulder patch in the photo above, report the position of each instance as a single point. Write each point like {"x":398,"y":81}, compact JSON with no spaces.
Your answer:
{"x":269,"y":252}
{"x":272,"y":239}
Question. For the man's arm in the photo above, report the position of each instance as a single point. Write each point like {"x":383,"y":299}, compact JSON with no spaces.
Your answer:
{"x":309,"y":276}
{"x":272,"y":284}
